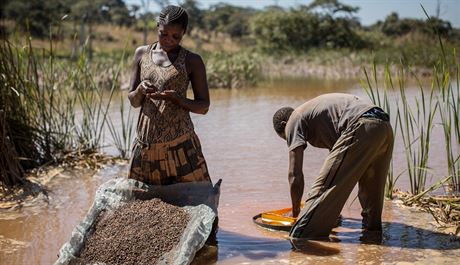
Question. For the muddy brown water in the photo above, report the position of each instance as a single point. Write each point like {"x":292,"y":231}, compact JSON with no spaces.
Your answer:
{"x":242,"y":149}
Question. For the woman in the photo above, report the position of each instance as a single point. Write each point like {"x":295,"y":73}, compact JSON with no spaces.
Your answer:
{"x":167,"y":150}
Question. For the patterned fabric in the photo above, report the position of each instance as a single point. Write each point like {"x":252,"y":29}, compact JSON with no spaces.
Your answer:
{"x":167,"y":163}
{"x":166,"y":150}
{"x":161,"y":120}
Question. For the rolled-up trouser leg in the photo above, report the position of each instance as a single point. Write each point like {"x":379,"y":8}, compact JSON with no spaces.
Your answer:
{"x":352,"y":154}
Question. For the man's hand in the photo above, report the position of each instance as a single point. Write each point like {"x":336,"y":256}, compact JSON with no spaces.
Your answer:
{"x":292,"y":213}
{"x":295,"y":212}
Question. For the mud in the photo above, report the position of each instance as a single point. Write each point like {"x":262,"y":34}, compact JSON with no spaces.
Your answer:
{"x":139,"y":232}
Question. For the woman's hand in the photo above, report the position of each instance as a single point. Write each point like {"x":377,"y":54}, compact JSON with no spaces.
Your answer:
{"x":170,"y":95}
{"x":146,"y":87}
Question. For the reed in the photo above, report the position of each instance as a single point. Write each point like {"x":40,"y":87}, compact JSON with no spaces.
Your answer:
{"x":49,"y":107}
{"x":416,"y":116}
{"x":416,"y":124}
{"x":381,"y":97}
{"x":414,"y":120}
{"x":11,"y":172}
{"x":123,"y":134}
{"x":94,"y":103}
{"x":449,"y":104}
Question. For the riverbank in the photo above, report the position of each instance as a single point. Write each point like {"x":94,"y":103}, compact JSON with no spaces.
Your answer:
{"x":338,"y":68}
{"x":444,"y":209}
{"x":240,"y":62}
{"x":35,"y":185}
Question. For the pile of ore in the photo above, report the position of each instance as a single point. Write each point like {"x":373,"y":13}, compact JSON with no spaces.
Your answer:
{"x":139,"y":232}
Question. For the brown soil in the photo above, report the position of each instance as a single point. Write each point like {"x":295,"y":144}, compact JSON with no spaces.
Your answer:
{"x":137,"y":233}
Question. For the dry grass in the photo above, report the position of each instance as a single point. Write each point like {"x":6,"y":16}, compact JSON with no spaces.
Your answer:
{"x":35,"y":181}
{"x":111,"y":38}
{"x":11,"y":172}
{"x":444,"y":209}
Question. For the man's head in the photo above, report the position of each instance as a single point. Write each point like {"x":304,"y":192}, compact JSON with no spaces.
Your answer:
{"x":172,"y":25}
{"x":280,"y":118}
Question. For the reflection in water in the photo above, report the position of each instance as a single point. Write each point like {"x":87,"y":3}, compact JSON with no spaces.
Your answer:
{"x":242,"y":149}
{"x":315,"y":248}
{"x":235,"y":245}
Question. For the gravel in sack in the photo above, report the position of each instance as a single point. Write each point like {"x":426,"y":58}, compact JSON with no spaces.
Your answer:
{"x":138,"y":232}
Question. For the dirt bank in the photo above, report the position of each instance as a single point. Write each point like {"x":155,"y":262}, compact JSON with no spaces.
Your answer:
{"x":332,"y":68}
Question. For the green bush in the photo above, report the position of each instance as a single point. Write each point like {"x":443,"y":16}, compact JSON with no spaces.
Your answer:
{"x":232,"y":70}
{"x":301,"y":30}
{"x":394,"y":26}
{"x":228,"y":19}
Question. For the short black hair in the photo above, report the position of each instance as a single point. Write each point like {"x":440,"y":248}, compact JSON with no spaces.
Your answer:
{"x":280,"y":119}
{"x":173,"y":15}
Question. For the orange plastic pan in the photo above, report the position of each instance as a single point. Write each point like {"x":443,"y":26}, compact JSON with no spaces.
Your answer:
{"x":275,"y":219}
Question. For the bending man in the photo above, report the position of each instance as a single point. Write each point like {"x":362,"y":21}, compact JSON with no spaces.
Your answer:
{"x":360,"y":140}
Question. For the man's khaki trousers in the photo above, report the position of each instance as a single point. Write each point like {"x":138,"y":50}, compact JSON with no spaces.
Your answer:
{"x":361,"y":155}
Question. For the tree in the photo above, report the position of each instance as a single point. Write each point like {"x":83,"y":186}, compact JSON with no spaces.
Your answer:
{"x":36,"y":16}
{"x":332,"y":7}
{"x":145,"y":5}
{"x":162,"y":3}
{"x":195,"y":14}
{"x":300,"y":29}
{"x":87,"y":12}
{"x":274,"y":8}
{"x":228,"y":19}
{"x":116,"y":12}
{"x":394,"y":26}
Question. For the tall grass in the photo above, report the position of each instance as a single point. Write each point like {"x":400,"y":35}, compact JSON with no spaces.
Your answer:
{"x":416,"y":124}
{"x":415,"y":117}
{"x":123,"y":137}
{"x":449,"y":102}
{"x":381,"y":97}
{"x":49,"y":108}
{"x":11,"y":171}
{"x":94,"y":105}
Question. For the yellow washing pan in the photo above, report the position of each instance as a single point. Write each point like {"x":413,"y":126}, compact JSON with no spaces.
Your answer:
{"x":276,"y":219}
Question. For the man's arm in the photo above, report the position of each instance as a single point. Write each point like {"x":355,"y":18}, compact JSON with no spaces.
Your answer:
{"x":296,"y":181}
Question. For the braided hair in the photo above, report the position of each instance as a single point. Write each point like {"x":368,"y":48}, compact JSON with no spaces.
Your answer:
{"x":280,"y":119}
{"x":173,"y":15}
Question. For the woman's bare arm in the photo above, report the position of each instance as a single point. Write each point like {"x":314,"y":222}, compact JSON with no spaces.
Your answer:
{"x":136,"y":93}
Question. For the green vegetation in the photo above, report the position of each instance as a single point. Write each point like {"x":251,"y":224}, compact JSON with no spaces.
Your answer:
{"x":123,"y":137}
{"x":39,"y":99}
{"x":394,"y":26}
{"x":232,"y":70}
{"x":416,"y":116}
{"x":324,"y":26}
{"x":303,"y":28}
{"x":382,"y":98}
